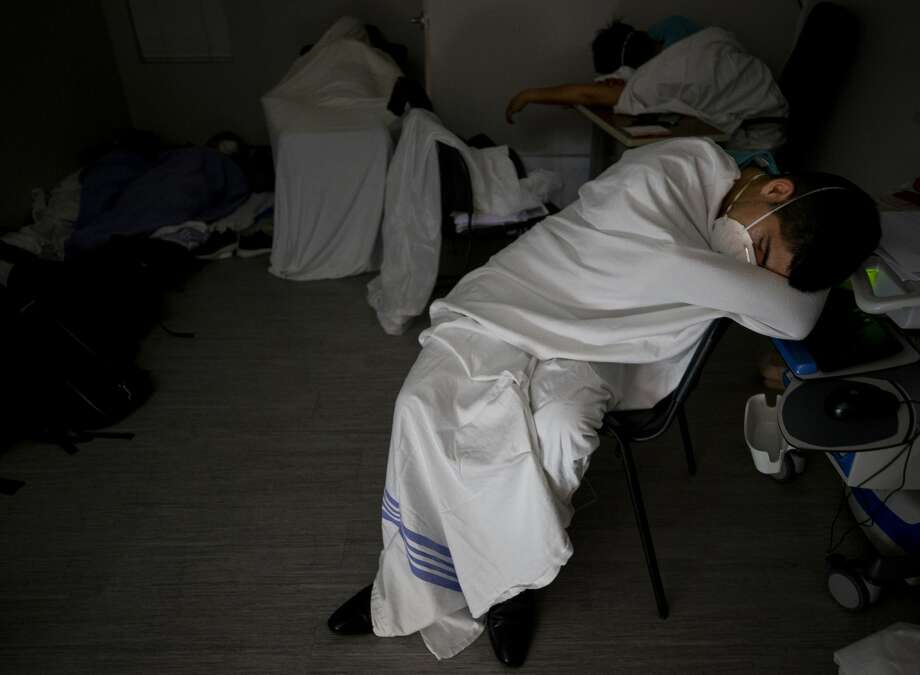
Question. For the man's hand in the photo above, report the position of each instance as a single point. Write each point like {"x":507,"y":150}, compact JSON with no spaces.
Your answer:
{"x":517,"y":104}
{"x":605,"y":93}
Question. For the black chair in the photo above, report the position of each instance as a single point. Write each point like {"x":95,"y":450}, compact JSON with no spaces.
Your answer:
{"x":814,"y":75}
{"x":457,"y":197}
{"x":812,"y":79}
{"x":636,"y":426}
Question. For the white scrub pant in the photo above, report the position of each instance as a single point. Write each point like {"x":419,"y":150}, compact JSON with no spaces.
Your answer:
{"x":488,"y":446}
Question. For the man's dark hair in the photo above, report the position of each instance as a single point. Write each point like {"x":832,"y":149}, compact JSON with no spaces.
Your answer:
{"x":609,"y":52}
{"x":829,"y":232}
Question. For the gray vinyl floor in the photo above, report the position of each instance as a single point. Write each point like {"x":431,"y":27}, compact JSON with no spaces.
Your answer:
{"x":246,"y":509}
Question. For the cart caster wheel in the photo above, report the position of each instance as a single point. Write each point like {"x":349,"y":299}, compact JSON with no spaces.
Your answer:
{"x":848,"y":589}
{"x":786,"y":471}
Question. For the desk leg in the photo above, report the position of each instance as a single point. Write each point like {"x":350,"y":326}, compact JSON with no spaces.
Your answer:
{"x":598,"y":151}
{"x":604,"y":151}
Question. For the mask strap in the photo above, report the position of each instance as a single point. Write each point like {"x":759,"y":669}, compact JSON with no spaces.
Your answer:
{"x":793,"y":201}
{"x":623,"y":48}
{"x":741,"y":192}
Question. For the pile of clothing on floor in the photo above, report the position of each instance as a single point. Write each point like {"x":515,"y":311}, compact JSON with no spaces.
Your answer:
{"x":212,"y":200}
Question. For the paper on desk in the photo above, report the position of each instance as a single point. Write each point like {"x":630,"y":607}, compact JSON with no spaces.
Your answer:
{"x":900,"y":245}
{"x":647,"y":130}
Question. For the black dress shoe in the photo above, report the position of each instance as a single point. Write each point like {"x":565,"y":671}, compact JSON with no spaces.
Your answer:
{"x":354,"y":617}
{"x":510,"y":625}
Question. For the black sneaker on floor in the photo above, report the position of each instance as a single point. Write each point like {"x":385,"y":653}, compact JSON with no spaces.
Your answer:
{"x":218,"y":246}
{"x":254,"y":244}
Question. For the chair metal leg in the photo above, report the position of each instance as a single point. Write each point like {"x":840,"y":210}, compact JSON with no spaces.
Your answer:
{"x":645,"y":534}
{"x":685,"y":437}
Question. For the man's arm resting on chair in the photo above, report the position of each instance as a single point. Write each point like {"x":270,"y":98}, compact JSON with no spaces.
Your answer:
{"x":605,"y":93}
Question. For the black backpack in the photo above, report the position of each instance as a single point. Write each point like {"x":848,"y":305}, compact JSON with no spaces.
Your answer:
{"x":69,"y":337}
{"x":58,"y":385}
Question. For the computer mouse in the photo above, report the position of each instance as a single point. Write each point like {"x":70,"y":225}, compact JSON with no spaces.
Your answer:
{"x":860,"y":400}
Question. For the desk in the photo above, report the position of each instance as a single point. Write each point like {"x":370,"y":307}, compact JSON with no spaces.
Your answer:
{"x":608,"y":125}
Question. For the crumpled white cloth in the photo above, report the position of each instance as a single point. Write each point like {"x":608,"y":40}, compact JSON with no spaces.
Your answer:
{"x":341,"y":72}
{"x":894,"y":650}
{"x":488,"y":445}
{"x":708,"y":75}
{"x":53,"y":218}
{"x":331,"y":137}
{"x":411,"y":229}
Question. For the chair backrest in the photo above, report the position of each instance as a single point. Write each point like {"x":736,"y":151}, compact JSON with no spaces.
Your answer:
{"x":671,"y":403}
{"x":407,"y":93}
{"x":814,"y":74}
{"x":456,"y":187}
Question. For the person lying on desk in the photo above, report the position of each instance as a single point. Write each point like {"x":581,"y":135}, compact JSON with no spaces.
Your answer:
{"x":598,"y":307}
{"x":703,"y":73}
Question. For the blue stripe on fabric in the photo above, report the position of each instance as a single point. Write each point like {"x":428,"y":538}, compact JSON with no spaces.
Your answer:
{"x":389,"y":511}
{"x":386,"y":507}
{"x":388,"y":497}
{"x":429,"y":554}
{"x":433,"y":568}
{"x":434,"y":579}
{"x":415,"y":536}
{"x":395,"y":521}
{"x":426,"y":542}
{"x":410,"y":549}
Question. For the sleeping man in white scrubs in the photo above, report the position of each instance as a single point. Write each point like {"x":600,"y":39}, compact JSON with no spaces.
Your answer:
{"x":598,"y":307}
{"x":703,"y":73}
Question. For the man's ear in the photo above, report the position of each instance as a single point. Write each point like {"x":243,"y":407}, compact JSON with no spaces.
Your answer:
{"x":777,"y":190}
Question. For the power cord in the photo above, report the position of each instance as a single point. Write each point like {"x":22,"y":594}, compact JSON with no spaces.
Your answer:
{"x":870,"y":519}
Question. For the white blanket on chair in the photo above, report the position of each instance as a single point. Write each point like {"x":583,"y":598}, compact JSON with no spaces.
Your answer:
{"x":412,"y":221}
{"x":625,"y":274}
{"x":331,"y":140}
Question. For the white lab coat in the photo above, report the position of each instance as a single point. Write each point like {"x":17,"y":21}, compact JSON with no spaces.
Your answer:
{"x":495,"y":424}
{"x":708,"y":75}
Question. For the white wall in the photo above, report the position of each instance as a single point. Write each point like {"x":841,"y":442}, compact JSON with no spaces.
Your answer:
{"x":61,"y":96}
{"x":192,"y":101}
{"x":873,"y":137}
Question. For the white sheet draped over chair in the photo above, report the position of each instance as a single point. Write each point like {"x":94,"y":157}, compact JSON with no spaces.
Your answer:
{"x":412,"y":224}
{"x":331,"y":137}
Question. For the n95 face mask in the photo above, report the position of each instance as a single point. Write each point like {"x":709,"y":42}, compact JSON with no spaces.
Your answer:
{"x":731,"y":238}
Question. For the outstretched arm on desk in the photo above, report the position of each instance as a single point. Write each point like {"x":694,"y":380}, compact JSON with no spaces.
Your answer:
{"x":605,"y":93}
